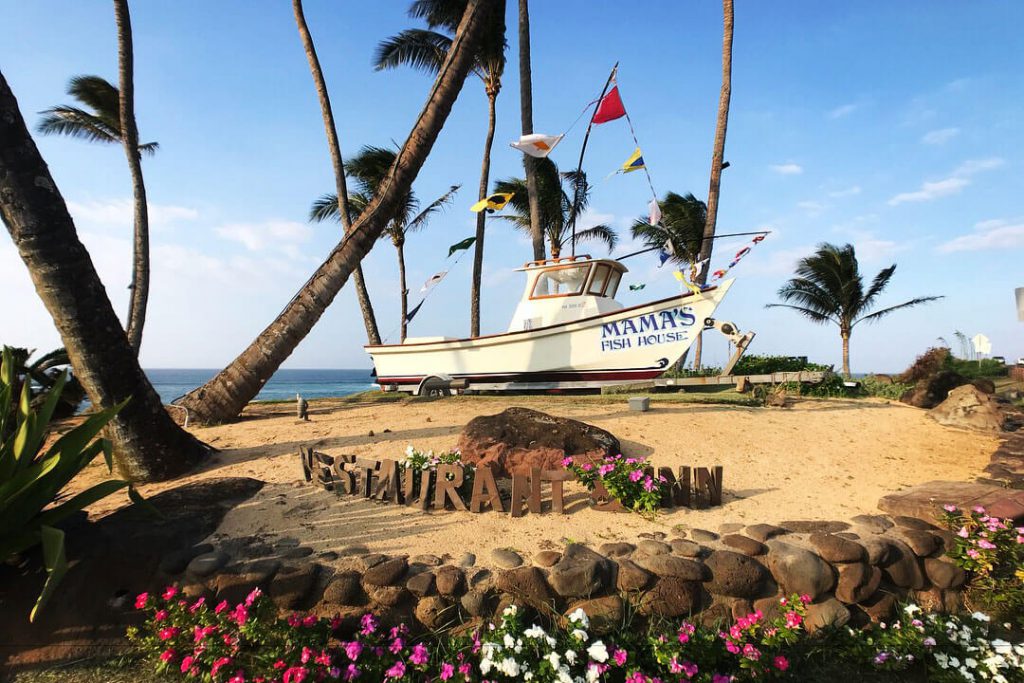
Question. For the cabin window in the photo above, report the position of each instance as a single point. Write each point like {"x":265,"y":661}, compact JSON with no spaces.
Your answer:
{"x":564,"y":281}
{"x":613,"y":284}
{"x":599,"y":280}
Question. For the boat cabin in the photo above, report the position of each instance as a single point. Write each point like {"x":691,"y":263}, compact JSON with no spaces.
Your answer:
{"x":567,"y":289}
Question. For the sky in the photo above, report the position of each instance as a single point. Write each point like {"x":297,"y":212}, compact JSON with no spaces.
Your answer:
{"x":897,"y":127}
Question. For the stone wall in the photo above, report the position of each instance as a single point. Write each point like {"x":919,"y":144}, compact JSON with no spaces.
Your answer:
{"x":853,"y":571}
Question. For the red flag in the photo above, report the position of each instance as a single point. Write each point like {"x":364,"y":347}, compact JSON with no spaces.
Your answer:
{"x":610,"y":107}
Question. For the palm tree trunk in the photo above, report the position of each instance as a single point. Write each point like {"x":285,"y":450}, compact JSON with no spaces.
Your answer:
{"x":148,"y":445}
{"x":481,"y":218}
{"x":718,"y":154}
{"x":556,"y":249}
{"x":139,"y":296}
{"x":846,"y":354}
{"x":400,"y":248}
{"x":365,"y":306}
{"x":526,"y":112}
{"x":224,"y":396}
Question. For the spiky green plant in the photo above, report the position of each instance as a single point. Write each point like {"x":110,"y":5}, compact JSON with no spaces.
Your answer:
{"x":32,"y":480}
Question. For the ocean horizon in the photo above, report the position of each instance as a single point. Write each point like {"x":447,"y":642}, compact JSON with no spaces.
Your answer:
{"x":171,"y":383}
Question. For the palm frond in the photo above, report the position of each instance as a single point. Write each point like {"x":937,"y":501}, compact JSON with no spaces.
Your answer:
{"x":325,"y":207}
{"x":76,"y":123}
{"x":880,"y":282}
{"x":814,"y":315}
{"x":886,"y":311}
{"x":599,"y":233}
{"x":149,"y":148}
{"x":99,"y":94}
{"x":438,"y":204}
{"x":418,"y":48}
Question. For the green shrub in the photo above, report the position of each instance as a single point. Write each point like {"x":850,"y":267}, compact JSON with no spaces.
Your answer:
{"x":872,"y":386}
{"x":765,"y":365}
{"x":32,"y":482}
{"x":41,"y":374}
{"x":975,"y":369}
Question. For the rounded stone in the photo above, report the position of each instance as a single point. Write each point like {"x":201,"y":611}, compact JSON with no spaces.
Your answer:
{"x":799,"y":571}
{"x":206,"y":564}
{"x":293,"y":584}
{"x":703,"y":535}
{"x":387,"y":573}
{"x":433,"y":612}
{"x":616,"y":549}
{"x":670,"y":565}
{"x":388,"y":596}
{"x":681,"y":546}
{"x":467,"y":560}
{"x":905,"y":522}
{"x":880,"y":550}
{"x":176,"y":561}
{"x":298,"y":553}
{"x":506,"y":559}
{"x":762,"y":532}
{"x":547,"y":558}
{"x":857,"y":582}
{"x":526,"y":583}
{"x":735,"y":575}
{"x":653,"y":547}
{"x":745,"y":544}
{"x":421,"y":584}
{"x":944,"y":574}
{"x":837,"y":549}
{"x":576,"y":578}
{"x":605,"y":614}
{"x":824,"y":614}
{"x":429,"y":560}
{"x":875,"y":524}
{"x":343,"y":589}
{"x":904,"y":571}
{"x":450,"y":581}
{"x":923,"y":543}
{"x":815,"y":526}
{"x":879,"y":606}
{"x":631,"y":577}
{"x":475,"y":603}
{"x":671,"y":597}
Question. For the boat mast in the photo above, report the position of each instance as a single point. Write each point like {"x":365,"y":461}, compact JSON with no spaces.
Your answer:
{"x":583,"y":150}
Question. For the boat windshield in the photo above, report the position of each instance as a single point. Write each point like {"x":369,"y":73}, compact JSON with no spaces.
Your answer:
{"x":561,"y":281}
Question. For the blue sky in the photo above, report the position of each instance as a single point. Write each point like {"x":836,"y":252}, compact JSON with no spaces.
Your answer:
{"x":894,"y":126}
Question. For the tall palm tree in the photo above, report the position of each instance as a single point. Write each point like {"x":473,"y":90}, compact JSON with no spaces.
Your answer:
{"x":425,"y":49}
{"x":224,"y":396}
{"x":563,"y":197}
{"x":828,"y":288}
{"x":97,"y":118}
{"x":148,"y":445}
{"x":341,"y":191}
{"x":526,"y":114}
{"x":682,"y":225}
{"x":369,"y":168}
{"x":718,"y":154}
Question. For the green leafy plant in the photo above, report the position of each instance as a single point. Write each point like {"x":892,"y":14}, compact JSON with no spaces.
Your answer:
{"x":423,"y":461}
{"x":40,"y":374}
{"x":32,"y":480}
{"x":992,"y":550}
{"x":874,"y":386}
{"x":628,"y":480}
{"x":765,"y":365}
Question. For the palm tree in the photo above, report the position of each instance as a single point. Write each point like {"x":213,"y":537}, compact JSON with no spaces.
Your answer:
{"x":148,"y":445}
{"x":98,"y":119}
{"x":42,"y":374}
{"x":718,"y":154}
{"x":526,"y":114}
{"x":224,"y":396}
{"x":828,"y":288}
{"x":425,"y":49}
{"x":365,"y":306}
{"x":682,"y":225}
{"x":369,"y":168}
{"x":563,"y":197}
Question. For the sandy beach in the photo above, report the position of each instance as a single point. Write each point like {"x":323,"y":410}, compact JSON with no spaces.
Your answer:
{"x":816,"y":460}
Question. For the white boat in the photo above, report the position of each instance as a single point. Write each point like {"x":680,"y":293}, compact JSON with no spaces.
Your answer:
{"x":568,"y":331}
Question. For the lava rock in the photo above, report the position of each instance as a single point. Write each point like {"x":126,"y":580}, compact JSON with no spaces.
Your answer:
{"x":762,"y":532}
{"x":798,"y":570}
{"x":944,"y":574}
{"x":923,"y":543}
{"x":671,"y":597}
{"x":467,"y":560}
{"x":703,"y":535}
{"x":429,"y":560}
{"x":506,"y":559}
{"x":631,"y":577}
{"x":176,"y":561}
{"x":652,"y":547}
{"x":605,"y":614}
{"x":876,"y":524}
{"x":824,"y":614}
{"x":880,"y":550}
{"x":672,"y":566}
{"x":904,"y":571}
{"x":745,"y":545}
{"x":292,"y":584}
{"x":835,"y":549}
{"x":575,"y":578}
{"x":434,"y":612}
{"x":526,"y":583}
{"x":203,"y":565}
{"x":735,"y":575}
{"x":450,"y":581}
{"x":815,"y":526}
{"x":343,"y":589}
{"x":420,"y":584}
{"x":617,"y":549}
{"x":475,"y":603}
{"x":681,"y":546}
{"x":857,"y":582}
{"x":387,"y":573}
{"x":547,"y":558}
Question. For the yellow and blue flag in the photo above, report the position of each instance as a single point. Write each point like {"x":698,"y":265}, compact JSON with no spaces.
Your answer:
{"x":634,"y":163}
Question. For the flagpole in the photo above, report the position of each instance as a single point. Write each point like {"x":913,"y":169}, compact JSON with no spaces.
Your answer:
{"x":583,"y":150}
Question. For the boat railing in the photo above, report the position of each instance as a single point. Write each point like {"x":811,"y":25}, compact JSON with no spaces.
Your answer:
{"x":556,"y":261}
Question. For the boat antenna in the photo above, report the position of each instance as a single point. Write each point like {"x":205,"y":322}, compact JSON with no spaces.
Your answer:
{"x":713,"y":237}
{"x":583,"y":150}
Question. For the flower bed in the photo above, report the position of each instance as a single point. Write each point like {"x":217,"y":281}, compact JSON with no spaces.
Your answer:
{"x":248,"y":643}
{"x":630,"y":481}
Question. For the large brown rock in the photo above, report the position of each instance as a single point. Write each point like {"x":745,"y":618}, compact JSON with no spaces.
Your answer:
{"x":605,"y":613}
{"x":933,"y":390}
{"x":671,"y":597}
{"x":969,"y":408}
{"x":735,"y":575}
{"x":798,"y":570}
{"x":525,"y":583}
{"x":518,"y":439}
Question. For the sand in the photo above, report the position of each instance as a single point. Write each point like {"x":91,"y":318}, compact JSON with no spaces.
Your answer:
{"x":815,"y":460}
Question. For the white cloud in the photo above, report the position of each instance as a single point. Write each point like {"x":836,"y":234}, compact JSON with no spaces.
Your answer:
{"x":848,"y":192}
{"x":787,"y":169}
{"x":959,"y":179}
{"x":121,"y":212}
{"x":930,"y":191}
{"x":273,"y":233}
{"x":777,"y":262}
{"x":811,"y":208}
{"x":871,"y":249}
{"x":843,"y":110}
{"x":940,"y":136}
{"x":991,"y":234}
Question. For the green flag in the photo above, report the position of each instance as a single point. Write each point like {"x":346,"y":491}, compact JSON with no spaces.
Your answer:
{"x":464,"y":244}
{"x":636,"y":288}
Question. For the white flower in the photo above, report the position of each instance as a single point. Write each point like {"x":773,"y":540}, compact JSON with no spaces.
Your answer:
{"x":598,"y":652}
{"x":592,"y":674}
{"x":580,"y":617}
{"x":551,"y":641}
{"x":954,"y":662}
{"x":508,"y":666}
{"x":579,"y":634}
{"x":509,"y":641}
{"x":570,"y":656}
{"x":1001,"y":646}
{"x":510,"y":611}
{"x":528,"y":676}
{"x":911,"y":609}
{"x":942,"y":659}
{"x":980,"y":616}
{"x":563,"y":676}
{"x":485,"y":666}
{"x":554,"y":659}
{"x":971,"y":663}
{"x":534,"y":632}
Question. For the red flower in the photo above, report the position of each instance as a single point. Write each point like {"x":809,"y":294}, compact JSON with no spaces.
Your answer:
{"x":141,"y":600}
{"x":781,"y":663}
{"x":170,"y":592}
{"x":169,"y":632}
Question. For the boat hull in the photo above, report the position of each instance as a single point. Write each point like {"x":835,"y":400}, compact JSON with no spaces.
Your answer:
{"x":628,"y":345}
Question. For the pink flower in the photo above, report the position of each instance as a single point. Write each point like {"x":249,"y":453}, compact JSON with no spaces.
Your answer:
{"x":1020,"y":539}
{"x":949,"y":507}
{"x":419,"y":654}
{"x":140,"y":600}
{"x":648,"y":484}
{"x":605,"y":469}
{"x":793,"y":619}
{"x":170,"y":592}
{"x":218,"y":665}
{"x":397,"y":670}
{"x":251,"y":597}
{"x":986,"y":545}
{"x":167,"y":655}
{"x":465,"y":668}
{"x":751,"y":652}
{"x":353,"y":650}
{"x":973,"y":554}
{"x":323,"y":659}
{"x":587,"y":467}
{"x":781,"y":663}
{"x":196,"y":605}
{"x":566,"y":462}
{"x":396,"y":646}
{"x":351,"y":672}
{"x":732,"y":647}
{"x":186,"y":663}
{"x":963,"y":532}
{"x":169,"y":632}
{"x":221,"y":607}
{"x":719,"y":678}
{"x":619,"y":656}
{"x":307,"y":654}
{"x":239,"y":615}
{"x":296,"y":674}
{"x":309,"y":621}
{"x":161,"y":615}
{"x":447,"y":671}
{"x":239,"y":677}
{"x":636,"y":475}
{"x":980,"y":510}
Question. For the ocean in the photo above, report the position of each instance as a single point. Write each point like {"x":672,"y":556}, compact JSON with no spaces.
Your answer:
{"x":172,"y":383}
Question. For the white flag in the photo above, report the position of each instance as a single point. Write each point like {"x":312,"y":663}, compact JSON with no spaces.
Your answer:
{"x":654,"y":212}
{"x":537,"y":145}
{"x":434,"y":279}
